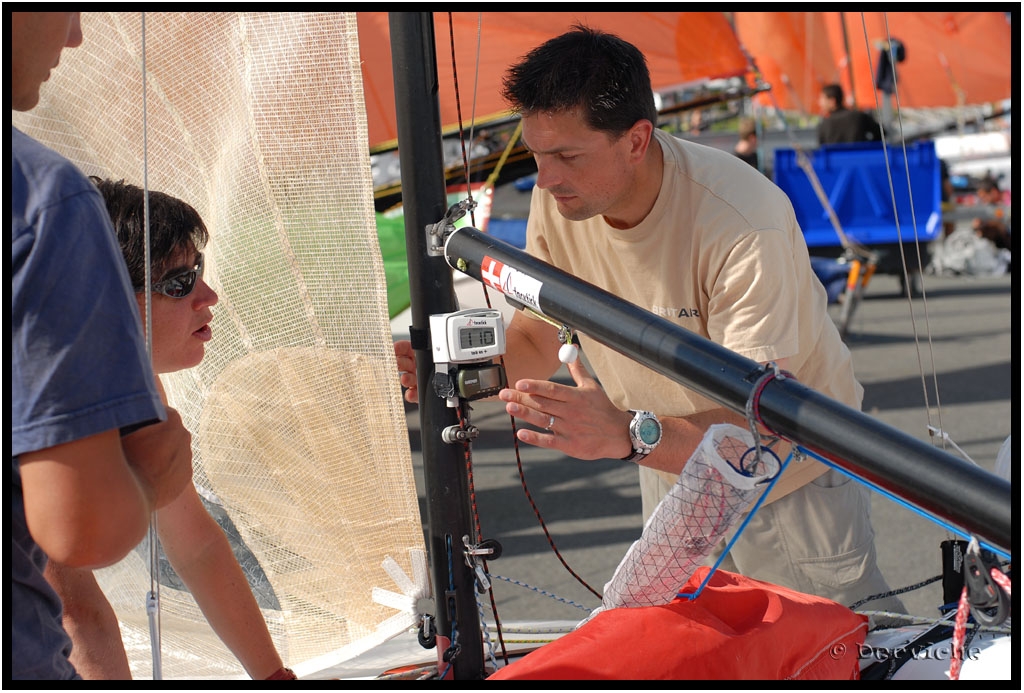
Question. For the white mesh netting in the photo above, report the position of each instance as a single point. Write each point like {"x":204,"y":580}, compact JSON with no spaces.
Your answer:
{"x":719,"y":483}
{"x":299,"y":431}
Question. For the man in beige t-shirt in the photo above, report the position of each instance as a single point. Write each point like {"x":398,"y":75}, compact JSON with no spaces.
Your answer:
{"x":702,"y":239}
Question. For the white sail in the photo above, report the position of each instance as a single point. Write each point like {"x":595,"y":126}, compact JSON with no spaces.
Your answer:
{"x":299,"y":431}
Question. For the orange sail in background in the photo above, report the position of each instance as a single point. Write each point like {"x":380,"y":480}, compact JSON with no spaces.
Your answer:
{"x":945,"y":52}
{"x":793,"y":53}
{"x":681,"y":47}
{"x":949,"y":56}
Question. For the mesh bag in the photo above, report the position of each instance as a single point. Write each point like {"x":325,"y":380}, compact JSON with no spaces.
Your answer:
{"x":717,"y":486}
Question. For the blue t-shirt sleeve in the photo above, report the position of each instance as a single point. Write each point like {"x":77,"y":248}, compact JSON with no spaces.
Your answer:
{"x":80,"y":364}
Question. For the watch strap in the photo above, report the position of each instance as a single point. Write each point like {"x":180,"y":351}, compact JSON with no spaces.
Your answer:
{"x":637,"y":453}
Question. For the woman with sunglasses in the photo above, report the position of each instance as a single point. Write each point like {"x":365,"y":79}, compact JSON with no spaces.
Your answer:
{"x":196,"y":545}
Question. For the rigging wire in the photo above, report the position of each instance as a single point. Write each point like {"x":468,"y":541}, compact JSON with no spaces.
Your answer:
{"x":153,"y":598}
{"x":853,"y":246}
{"x":917,"y":245}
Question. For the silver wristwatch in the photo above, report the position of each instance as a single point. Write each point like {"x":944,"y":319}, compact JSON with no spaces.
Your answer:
{"x":644,"y":434}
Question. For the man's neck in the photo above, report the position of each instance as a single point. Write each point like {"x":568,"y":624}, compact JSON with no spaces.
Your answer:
{"x":645,"y":189}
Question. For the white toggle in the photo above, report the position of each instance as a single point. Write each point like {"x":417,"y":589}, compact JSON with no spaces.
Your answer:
{"x":568,"y":353}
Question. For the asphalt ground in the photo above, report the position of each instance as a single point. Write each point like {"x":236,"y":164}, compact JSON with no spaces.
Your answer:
{"x":942,"y":360}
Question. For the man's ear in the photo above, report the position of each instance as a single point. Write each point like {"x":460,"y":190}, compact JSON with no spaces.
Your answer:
{"x":640,"y":139}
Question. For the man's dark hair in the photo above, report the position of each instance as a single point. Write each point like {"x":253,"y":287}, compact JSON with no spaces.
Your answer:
{"x":834,"y":92}
{"x":598,"y":72}
{"x":174,"y":227}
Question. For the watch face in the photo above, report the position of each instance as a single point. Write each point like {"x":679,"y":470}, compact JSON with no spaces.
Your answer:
{"x":649,"y":431}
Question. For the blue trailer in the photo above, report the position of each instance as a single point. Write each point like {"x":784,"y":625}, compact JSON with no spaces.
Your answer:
{"x":883,"y":196}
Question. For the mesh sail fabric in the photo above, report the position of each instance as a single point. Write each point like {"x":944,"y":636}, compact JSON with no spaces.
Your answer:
{"x":299,"y":431}
{"x":706,"y":502}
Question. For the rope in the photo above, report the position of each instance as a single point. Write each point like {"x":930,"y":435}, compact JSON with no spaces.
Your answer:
{"x":453,"y":646}
{"x":1001,"y":580}
{"x":488,"y":645}
{"x":959,"y":630}
{"x":458,"y":109}
{"x":522,"y":476}
{"x":468,"y":450}
{"x":753,"y":406}
{"x":893,"y":593}
{"x":543,"y":592}
{"x":540,"y":519}
{"x":896,"y":499}
{"x":961,"y":638}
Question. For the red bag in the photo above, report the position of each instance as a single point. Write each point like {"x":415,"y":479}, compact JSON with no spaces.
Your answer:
{"x":737,"y":628}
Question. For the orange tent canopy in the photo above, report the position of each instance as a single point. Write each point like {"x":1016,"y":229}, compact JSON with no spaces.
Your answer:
{"x":681,"y":47}
{"x":949,"y":56}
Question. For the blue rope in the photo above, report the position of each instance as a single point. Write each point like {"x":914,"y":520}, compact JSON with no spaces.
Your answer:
{"x":905,"y":504}
{"x":833,"y":465}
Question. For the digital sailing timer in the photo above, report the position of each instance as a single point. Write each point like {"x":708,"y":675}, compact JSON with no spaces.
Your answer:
{"x":467,"y":336}
{"x":464,"y":344}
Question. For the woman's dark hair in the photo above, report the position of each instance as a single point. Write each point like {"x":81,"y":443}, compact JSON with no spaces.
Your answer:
{"x":174,"y":227}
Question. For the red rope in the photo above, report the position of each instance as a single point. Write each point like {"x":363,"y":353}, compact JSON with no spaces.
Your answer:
{"x":959,"y":634}
{"x":1001,"y":580}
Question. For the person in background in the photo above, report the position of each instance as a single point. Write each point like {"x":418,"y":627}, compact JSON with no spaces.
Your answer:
{"x":94,"y":451}
{"x":994,"y":227}
{"x":841,"y":124}
{"x":746,"y":146}
{"x":196,"y":546}
{"x":946,"y":197}
{"x":694,"y":235}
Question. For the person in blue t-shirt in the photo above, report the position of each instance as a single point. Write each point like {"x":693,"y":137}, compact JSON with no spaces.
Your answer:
{"x":93,"y":450}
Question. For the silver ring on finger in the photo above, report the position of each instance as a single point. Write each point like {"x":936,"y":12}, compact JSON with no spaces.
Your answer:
{"x":551,"y":423}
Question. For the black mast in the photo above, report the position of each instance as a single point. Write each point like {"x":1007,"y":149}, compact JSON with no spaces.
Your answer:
{"x":414,"y":61}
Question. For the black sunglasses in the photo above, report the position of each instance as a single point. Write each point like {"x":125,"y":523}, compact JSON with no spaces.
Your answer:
{"x":181,"y":284}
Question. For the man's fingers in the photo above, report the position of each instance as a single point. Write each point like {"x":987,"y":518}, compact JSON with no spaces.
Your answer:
{"x":579,"y":372}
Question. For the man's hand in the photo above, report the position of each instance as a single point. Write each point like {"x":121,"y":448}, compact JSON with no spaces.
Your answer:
{"x":586,"y":425}
{"x":161,"y":455}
